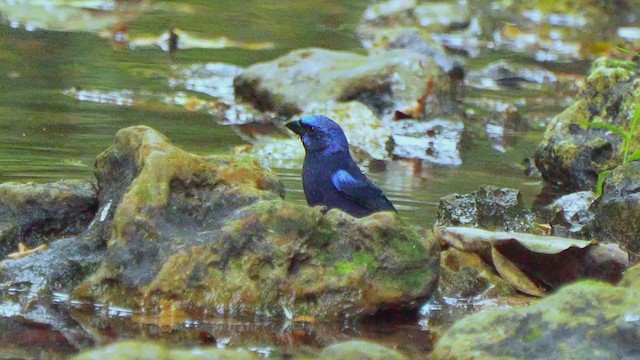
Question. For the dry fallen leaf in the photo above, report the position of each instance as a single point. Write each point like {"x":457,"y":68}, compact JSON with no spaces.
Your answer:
{"x":24,"y":251}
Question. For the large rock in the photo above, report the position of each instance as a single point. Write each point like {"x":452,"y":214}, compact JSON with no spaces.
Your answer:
{"x":197,"y":234}
{"x":36,"y":214}
{"x":587,"y":320}
{"x":616,"y":212}
{"x":571,"y":154}
{"x":398,"y":80}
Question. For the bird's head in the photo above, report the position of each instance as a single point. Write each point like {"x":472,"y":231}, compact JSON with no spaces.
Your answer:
{"x":319,"y":134}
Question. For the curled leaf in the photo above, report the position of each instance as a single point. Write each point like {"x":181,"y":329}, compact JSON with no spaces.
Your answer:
{"x":535,"y":264}
{"x":514,"y":276}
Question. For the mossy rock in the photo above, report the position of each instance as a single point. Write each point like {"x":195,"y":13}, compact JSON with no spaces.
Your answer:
{"x":361,"y":350}
{"x":197,"y":234}
{"x":571,"y":153}
{"x":616,"y":212}
{"x":135,"y":350}
{"x":36,"y":214}
{"x":586,"y":320}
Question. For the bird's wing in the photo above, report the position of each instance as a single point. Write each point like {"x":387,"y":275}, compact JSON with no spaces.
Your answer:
{"x":360,"y":191}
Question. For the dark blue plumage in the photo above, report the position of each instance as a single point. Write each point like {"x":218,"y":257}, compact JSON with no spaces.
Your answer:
{"x":330,"y":177}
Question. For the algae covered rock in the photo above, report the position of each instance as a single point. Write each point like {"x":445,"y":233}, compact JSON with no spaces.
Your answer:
{"x":34,"y":214}
{"x":571,"y":153}
{"x":201,"y":234}
{"x":390,"y":81}
{"x":134,"y":350}
{"x":362,"y":350}
{"x":587,"y":320}
{"x":616,"y":212}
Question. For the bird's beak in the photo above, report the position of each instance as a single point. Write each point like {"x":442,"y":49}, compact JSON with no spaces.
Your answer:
{"x":296,"y":127}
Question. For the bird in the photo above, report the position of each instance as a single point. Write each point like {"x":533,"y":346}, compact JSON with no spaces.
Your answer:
{"x":330,"y":176}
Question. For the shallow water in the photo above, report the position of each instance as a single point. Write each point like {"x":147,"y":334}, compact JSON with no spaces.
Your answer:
{"x":46,"y":135}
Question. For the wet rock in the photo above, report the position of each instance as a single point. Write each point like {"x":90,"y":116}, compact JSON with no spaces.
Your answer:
{"x":368,"y":137}
{"x":504,"y":74}
{"x":397,"y":80}
{"x":36,"y":214}
{"x":213,"y":79}
{"x":148,"y":351}
{"x":587,"y":320}
{"x":570,"y":213}
{"x":436,"y":140}
{"x":490,"y":207}
{"x":571,"y":154}
{"x":431,"y":16}
{"x":69,"y":17}
{"x":215,"y":236}
{"x":616,"y":212}
{"x":360,"y":350}
{"x":410,"y":38}
{"x":35,"y":330}
{"x":465,"y":275}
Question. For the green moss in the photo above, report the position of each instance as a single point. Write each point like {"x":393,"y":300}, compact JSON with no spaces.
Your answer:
{"x":533,"y":335}
{"x":344,"y":268}
{"x":364,"y":259}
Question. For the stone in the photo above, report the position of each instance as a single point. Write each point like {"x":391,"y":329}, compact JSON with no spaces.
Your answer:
{"x":572,"y":153}
{"x":361,"y":350}
{"x":491,"y":208}
{"x":368,"y":137}
{"x":586,"y":320}
{"x":386,"y":82}
{"x":200,"y":234}
{"x":569,"y":214}
{"x":137,"y":350}
{"x":36,"y":214}
{"x":616,"y":212}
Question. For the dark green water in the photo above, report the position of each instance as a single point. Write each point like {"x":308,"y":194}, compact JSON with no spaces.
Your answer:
{"x":46,"y":136}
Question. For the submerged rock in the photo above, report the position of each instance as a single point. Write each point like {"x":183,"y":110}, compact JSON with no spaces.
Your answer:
{"x":391,"y":81}
{"x":616,"y":212}
{"x":214,"y":235}
{"x":587,"y":320}
{"x":572,"y":153}
{"x":428,"y":16}
{"x":490,"y":207}
{"x":36,"y":214}
{"x":148,"y":351}
{"x":362,"y":350}
{"x":505,"y":74}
